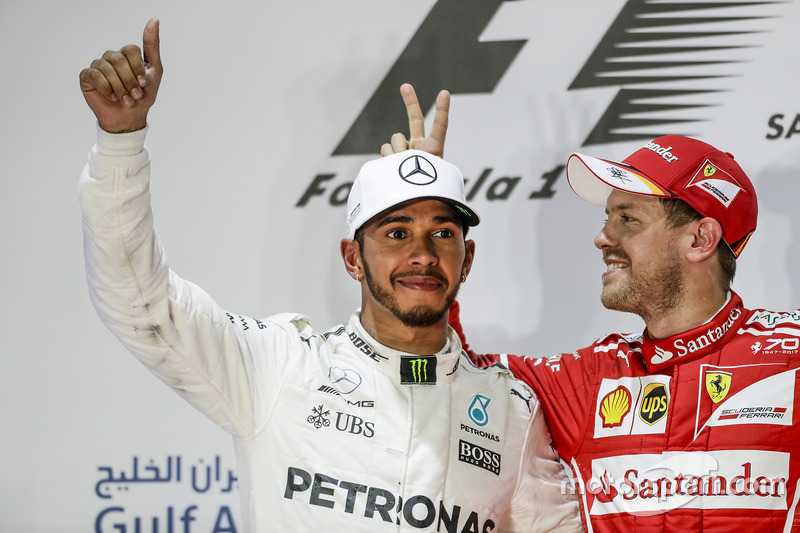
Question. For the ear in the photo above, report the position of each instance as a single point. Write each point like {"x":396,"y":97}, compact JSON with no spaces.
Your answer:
{"x":469,"y":256}
{"x":351,"y":256}
{"x":705,"y":239}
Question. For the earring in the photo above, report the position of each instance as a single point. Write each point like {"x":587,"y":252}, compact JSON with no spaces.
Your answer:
{"x":463,"y":278}
{"x":358,"y":277}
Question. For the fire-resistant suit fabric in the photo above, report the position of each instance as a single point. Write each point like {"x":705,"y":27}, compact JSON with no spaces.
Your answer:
{"x":694,"y":432}
{"x":332,"y":431}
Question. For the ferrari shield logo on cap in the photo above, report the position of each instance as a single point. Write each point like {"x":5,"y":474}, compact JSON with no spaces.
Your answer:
{"x":716,"y":182}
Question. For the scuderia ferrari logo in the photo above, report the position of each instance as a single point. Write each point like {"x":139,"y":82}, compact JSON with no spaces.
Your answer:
{"x":716,"y":182}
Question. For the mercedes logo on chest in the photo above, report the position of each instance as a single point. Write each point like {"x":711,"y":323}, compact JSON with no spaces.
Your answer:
{"x":417,"y":170}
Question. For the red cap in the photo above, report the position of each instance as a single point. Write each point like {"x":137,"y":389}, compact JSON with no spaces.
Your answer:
{"x":674,"y":166}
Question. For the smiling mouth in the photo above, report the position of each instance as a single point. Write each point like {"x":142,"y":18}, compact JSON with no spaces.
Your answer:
{"x":615,"y":266}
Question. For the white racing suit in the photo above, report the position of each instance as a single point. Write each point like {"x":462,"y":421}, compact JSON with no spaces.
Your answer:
{"x":332,"y":431}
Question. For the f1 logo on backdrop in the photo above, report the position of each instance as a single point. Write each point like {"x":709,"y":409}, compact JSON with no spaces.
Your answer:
{"x":666,"y":58}
{"x":445,"y":52}
{"x":649,"y":47}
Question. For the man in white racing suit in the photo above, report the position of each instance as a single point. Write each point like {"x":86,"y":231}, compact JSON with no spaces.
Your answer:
{"x":381,"y":424}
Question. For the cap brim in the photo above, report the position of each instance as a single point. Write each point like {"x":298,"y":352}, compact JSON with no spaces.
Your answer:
{"x":593,"y":179}
{"x":469,"y":216}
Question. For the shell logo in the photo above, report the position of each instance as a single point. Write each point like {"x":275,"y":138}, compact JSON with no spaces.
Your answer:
{"x":615,"y":406}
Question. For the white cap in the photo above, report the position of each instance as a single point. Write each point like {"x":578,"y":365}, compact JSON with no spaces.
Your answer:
{"x":386,"y":182}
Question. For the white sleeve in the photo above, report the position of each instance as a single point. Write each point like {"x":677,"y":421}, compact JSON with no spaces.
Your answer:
{"x":172,"y":326}
{"x":545,"y":499}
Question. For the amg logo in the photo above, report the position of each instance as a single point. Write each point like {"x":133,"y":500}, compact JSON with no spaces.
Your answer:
{"x":358,"y":403}
{"x":479,"y":456}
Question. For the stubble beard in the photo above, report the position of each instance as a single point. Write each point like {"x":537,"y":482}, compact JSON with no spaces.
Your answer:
{"x":418,"y":316}
{"x":647,"y":293}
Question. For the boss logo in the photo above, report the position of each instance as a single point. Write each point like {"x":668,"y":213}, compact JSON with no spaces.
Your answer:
{"x":479,"y":456}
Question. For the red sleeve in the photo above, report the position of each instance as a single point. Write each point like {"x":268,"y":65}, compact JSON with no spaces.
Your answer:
{"x":481,"y":360}
{"x":566,"y":386}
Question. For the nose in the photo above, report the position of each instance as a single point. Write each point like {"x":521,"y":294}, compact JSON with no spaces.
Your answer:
{"x":423,"y":252}
{"x":605,"y":237}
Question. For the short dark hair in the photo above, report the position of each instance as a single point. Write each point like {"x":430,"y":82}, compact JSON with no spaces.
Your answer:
{"x":679,"y":213}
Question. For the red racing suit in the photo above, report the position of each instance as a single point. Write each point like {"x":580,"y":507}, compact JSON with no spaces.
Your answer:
{"x":694,"y":432}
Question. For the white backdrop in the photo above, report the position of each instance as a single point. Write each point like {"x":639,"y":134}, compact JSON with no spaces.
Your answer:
{"x":256,"y":98}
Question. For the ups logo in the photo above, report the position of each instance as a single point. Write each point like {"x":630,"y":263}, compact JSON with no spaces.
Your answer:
{"x":655,"y":403}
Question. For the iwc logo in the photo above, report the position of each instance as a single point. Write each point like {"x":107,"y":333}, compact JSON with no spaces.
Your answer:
{"x":417,"y":170}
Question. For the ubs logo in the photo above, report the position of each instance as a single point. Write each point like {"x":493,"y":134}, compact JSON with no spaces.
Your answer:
{"x":417,"y":170}
{"x":319,"y":417}
{"x":354,"y":425}
{"x":345,"y":422}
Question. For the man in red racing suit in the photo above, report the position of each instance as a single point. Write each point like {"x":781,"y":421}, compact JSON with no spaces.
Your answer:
{"x":690,"y":425}
{"x":691,"y":432}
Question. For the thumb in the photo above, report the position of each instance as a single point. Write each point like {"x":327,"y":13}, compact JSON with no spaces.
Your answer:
{"x":151,"y":45}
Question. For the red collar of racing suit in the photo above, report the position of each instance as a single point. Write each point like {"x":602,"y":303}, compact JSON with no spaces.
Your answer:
{"x":688,"y":345}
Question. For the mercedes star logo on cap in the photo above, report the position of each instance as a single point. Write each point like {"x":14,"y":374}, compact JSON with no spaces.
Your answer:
{"x":417,"y":170}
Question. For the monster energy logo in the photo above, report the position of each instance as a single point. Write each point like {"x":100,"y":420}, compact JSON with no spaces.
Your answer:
{"x":417,"y":370}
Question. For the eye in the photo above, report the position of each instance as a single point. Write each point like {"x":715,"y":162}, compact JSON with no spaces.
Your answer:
{"x":626,"y":218}
{"x":396,"y":234}
{"x":444,"y":233}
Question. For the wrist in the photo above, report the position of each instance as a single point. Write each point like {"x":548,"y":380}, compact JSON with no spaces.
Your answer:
{"x":114,"y":129}
{"x":120,"y":143}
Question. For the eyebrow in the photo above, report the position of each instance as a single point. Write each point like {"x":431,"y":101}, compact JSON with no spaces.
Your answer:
{"x":619,"y":207}
{"x":403,"y":219}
